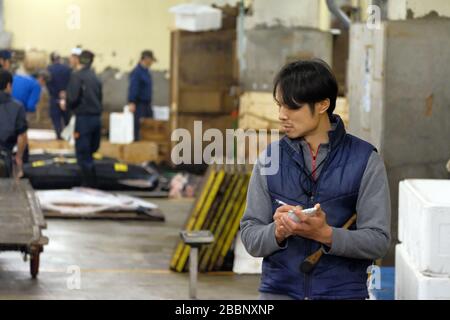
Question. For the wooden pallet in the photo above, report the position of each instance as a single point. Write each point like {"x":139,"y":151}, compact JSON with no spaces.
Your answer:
{"x":155,"y":215}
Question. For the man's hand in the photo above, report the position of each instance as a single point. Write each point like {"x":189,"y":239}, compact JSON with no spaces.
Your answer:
{"x":62,"y":104}
{"x":19,"y":165}
{"x":132,"y":107}
{"x":281,"y":232}
{"x":313,"y":227}
{"x":62,"y":100}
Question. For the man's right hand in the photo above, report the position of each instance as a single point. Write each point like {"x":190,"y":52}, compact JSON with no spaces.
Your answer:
{"x":281,"y":233}
{"x":132,"y":107}
{"x":62,"y":105}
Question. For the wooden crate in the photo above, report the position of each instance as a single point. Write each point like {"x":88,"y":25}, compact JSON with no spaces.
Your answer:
{"x":204,"y":71}
{"x":259,"y":111}
{"x":208,"y":121}
{"x":155,"y":130}
{"x":111,"y":150}
{"x":140,"y":151}
{"x":135,"y":153}
{"x":49,"y":145}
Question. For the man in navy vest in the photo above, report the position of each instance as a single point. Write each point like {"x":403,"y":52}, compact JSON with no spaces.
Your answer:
{"x":59,"y":80}
{"x":140,"y":91}
{"x":318,"y":165}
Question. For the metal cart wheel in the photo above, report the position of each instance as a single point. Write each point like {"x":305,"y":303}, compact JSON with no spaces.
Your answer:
{"x":34,"y":261}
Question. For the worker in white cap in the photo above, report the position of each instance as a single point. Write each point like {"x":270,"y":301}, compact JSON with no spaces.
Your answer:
{"x":74,"y":59}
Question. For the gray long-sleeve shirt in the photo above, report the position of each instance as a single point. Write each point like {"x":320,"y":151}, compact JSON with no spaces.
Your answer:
{"x":371,"y":238}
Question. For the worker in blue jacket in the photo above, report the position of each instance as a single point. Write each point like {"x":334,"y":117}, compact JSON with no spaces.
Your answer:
{"x":140,"y":91}
{"x":57,"y":85}
{"x":27,"y":90}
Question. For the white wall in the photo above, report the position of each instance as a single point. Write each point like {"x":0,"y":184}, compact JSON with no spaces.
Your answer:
{"x":116,"y":30}
{"x":397,"y":9}
{"x":289,"y":13}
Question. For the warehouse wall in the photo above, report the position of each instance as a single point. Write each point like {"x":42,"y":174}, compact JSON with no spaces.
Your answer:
{"x":108,"y":27}
{"x":403,"y":9}
{"x":286,"y":13}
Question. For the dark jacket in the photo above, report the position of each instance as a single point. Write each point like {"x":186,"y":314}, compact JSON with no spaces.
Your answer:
{"x":84,"y":93}
{"x":141,"y":86}
{"x":13,"y":121}
{"x":59,"y":80}
{"x":334,"y":277}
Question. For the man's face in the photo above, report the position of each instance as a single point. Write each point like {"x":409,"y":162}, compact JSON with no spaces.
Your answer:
{"x":147,"y":62}
{"x":74,"y":61}
{"x":6,"y":64}
{"x":297,"y":123}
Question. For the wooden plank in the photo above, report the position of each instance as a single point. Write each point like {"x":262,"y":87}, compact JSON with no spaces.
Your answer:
{"x":145,"y":194}
{"x":156,"y":215}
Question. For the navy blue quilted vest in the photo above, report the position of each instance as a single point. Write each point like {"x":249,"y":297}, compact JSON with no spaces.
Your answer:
{"x":336,"y":189}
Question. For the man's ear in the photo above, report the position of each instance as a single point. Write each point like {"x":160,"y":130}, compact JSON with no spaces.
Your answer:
{"x":323,"y":106}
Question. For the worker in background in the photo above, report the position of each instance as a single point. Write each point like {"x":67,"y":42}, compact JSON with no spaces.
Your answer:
{"x":84,"y":99}
{"x":140,"y":91}
{"x":321,"y":166}
{"x":57,"y":85}
{"x":74,"y":59}
{"x":5,"y":59}
{"x":27,"y":88}
{"x":13,"y":128}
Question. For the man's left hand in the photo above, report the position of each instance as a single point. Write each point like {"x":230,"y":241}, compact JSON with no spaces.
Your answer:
{"x":19,"y":165}
{"x":312,"y":227}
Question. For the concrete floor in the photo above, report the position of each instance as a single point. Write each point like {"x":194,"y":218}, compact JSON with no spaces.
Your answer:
{"x":118,"y":260}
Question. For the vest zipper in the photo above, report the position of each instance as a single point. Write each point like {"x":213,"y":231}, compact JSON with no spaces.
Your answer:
{"x":310,"y":204}
{"x":314,"y":161}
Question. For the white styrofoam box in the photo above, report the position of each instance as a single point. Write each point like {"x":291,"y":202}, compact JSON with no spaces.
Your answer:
{"x":244,"y":263}
{"x":41,"y":134}
{"x":424,"y":223}
{"x":195,"y":17}
{"x":121,"y":127}
{"x":411,"y":284}
{"x":161,"y":113}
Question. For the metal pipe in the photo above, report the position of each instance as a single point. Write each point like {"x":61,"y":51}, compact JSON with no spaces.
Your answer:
{"x":345,"y":20}
{"x":193,"y":270}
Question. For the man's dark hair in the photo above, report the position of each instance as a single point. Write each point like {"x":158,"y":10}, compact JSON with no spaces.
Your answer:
{"x":54,"y":57}
{"x":5,"y":78}
{"x":306,"y":82}
{"x":87,"y":57}
{"x":147,"y":54}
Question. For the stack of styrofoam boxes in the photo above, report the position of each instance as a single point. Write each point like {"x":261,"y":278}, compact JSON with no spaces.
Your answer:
{"x":195,"y":17}
{"x":422,"y":263}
